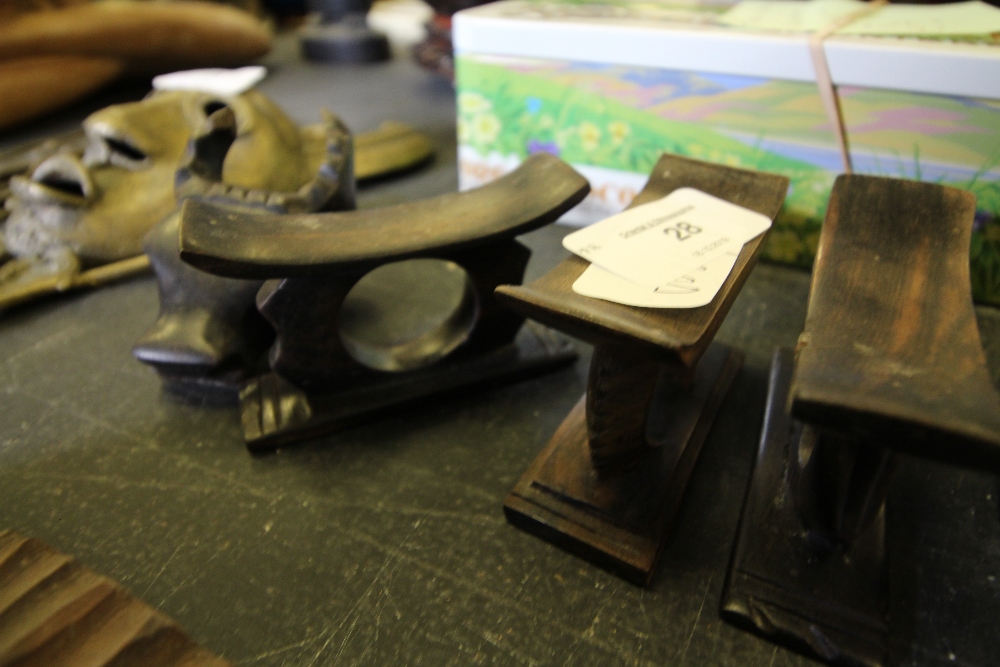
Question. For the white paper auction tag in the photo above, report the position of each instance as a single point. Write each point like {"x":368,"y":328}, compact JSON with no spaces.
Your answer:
{"x":692,"y":290}
{"x":653,"y":244}
{"x":217,"y":81}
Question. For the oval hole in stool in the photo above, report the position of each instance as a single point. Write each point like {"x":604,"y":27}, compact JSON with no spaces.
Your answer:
{"x":407,"y":315}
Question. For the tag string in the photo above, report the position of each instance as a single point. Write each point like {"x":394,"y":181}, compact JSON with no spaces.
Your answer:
{"x":824,"y":81}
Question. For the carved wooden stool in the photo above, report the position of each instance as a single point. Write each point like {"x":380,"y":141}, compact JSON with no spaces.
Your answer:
{"x":890,"y":360}
{"x":607,"y":485}
{"x":323,"y":379}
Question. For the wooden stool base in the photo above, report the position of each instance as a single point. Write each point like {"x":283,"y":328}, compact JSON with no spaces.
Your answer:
{"x":621,"y":523}
{"x":275,"y":412}
{"x":832,"y":606}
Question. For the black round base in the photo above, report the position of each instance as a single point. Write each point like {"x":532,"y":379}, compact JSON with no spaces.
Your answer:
{"x":343,"y":43}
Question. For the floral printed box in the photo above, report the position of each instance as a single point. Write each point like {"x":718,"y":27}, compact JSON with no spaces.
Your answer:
{"x":609,"y":112}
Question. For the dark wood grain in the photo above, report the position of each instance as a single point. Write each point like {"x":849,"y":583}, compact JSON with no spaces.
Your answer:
{"x":619,"y":392}
{"x":890,"y":360}
{"x":668,"y":334}
{"x":56,"y":613}
{"x":890,"y":349}
{"x":831,"y":603}
{"x":257,"y":245}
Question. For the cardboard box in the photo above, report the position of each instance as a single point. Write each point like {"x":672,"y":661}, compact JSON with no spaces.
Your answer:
{"x":608,"y":87}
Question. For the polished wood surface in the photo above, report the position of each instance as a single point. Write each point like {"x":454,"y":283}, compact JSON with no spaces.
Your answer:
{"x":890,"y":360}
{"x":237,"y":244}
{"x":666,"y":334}
{"x":890,"y":350}
{"x":55,"y":612}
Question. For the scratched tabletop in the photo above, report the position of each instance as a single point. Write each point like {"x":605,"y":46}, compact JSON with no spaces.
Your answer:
{"x":386,"y":544}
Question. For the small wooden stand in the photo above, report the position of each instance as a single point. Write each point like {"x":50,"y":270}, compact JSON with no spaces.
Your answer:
{"x":321,"y":379}
{"x":890,"y":360}
{"x":608,"y":484}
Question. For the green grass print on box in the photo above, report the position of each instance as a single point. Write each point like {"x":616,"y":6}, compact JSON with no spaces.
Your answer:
{"x":509,"y":110}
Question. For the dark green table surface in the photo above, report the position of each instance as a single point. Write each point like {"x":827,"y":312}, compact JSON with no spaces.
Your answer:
{"x":386,"y":544}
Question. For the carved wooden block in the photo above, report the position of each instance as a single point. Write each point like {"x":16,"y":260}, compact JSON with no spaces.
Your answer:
{"x":890,"y":360}
{"x":56,"y":613}
{"x":607,"y":485}
{"x":311,"y":262}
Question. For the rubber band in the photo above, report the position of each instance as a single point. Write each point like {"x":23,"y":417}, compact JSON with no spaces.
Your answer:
{"x":824,"y":81}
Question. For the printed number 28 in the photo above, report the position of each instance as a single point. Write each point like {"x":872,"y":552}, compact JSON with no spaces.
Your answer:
{"x":682,"y":230}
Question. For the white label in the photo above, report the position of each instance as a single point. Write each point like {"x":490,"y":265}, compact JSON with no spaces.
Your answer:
{"x":692,"y":290}
{"x":224,"y":82}
{"x":653,"y":244}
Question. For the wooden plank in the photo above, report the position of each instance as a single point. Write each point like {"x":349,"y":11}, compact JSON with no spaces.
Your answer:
{"x":235,"y":243}
{"x":890,"y":350}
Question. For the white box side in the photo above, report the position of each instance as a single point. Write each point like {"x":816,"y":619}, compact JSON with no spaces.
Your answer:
{"x":679,"y":47}
{"x":924,"y":66}
{"x":940,"y":68}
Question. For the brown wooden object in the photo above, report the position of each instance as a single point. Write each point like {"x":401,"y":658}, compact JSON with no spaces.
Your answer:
{"x":311,"y":262}
{"x":608,"y":484}
{"x":32,"y":86}
{"x":148,"y":37}
{"x":56,"y":613}
{"x":890,"y":360}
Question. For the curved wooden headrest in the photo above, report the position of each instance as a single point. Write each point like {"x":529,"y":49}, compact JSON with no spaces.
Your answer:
{"x":242,"y":244}
{"x":891,"y":350}
{"x":669,"y":334}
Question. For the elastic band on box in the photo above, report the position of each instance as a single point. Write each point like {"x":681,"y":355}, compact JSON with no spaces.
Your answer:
{"x":824,"y":81}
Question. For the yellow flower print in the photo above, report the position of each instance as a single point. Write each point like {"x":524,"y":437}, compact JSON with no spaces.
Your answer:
{"x":619,"y":131}
{"x":590,"y":136}
{"x":464,"y":132}
{"x":473,"y":103}
{"x":486,"y":128}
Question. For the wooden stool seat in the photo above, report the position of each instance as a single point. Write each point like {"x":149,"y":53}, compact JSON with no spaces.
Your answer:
{"x":608,"y":484}
{"x":891,"y":350}
{"x":890,"y":360}
{"x":241,"y":244}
